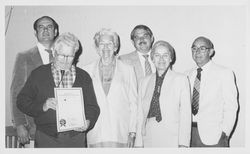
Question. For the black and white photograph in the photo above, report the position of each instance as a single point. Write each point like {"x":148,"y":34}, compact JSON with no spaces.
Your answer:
{"x":169,"y":76}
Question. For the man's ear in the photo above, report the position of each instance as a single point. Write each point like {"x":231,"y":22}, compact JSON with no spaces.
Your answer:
{"x":56,"y":31}
{"x":116,"y":50}
{"x":133,"y":42}
{"x":211,"y":52}
{"x":35,"y":33}
{"x":152,"y":40}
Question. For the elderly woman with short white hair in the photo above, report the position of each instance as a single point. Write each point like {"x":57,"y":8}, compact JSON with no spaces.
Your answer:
{"x":115,"y":88}
{"x":164,"y":108}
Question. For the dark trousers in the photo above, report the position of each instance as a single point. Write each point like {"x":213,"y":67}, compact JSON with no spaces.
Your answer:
{"x":196,"y":140}
{"x":63,"y":140}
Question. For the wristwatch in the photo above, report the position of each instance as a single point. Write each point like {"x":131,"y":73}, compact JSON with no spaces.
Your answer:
{"x":132,"y":134}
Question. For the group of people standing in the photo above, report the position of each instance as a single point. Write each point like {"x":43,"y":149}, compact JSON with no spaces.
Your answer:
{"x":132,"y":100}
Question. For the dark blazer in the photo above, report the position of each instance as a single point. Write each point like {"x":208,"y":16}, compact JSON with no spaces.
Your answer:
{"x":25,"y":62}
{"x":40,"y":86}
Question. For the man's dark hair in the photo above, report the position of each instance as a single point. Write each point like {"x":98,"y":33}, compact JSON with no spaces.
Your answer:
{"x":54,"y":24}
{"x":144,"y":27}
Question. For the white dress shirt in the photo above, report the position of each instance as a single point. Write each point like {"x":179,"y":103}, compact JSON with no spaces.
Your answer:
{"x":142,"y":60}
{"x":43,"y":53}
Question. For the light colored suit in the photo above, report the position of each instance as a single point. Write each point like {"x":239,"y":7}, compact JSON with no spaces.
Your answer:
{"x":25,"y":63}
{"x":175,"y":127}
{"x":217,"y":102}
{"x":133,"y":59}
{"x":118,"y":109}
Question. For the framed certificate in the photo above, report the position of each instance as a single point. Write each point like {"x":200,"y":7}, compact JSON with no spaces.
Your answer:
{"x":70,"y":109}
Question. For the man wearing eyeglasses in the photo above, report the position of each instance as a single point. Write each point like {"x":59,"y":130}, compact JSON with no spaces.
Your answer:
{"x":37,"y":98}
{"x":46,"y":30}
{"x":214,"y":98}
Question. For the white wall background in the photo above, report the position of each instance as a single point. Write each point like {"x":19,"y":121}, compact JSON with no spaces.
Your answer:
{"x":225,"y":25}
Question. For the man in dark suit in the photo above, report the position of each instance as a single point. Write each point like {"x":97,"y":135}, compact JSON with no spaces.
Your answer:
{"x":142,"y":39}
{"x":37,"y":97}
{"x":45,"y":30}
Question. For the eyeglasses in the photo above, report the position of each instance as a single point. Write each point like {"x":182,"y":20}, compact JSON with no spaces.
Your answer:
{"x":202,"y":49}
{"x":65,"y":57}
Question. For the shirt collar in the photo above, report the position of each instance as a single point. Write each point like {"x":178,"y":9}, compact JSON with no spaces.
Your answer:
{"x":206,"y":66}
{"x":40,"y":47}
{"x":141,"y":54}
{"x":163,"y":75}
{"x":72,"y":69}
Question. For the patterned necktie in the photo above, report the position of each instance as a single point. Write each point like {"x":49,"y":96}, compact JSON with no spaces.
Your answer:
{"x":196,"y":92}
{"x":155,"y":110}
{"x":148,"y":70}
{"x":50,"y":55}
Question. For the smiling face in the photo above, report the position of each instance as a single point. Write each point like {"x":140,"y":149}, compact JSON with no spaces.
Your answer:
{"x":142,"y":41}
{"x":162,"y":58}
{"x":64,"y":56}
{"x":106,"y":49}
{"x":201,"y":51}
{"x":45,"y":31}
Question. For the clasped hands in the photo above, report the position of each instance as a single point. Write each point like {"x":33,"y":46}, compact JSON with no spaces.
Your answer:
{"x":51,"y":103}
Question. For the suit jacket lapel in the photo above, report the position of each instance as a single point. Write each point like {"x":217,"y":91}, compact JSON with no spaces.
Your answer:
{"x":115,"y":77}
{"x":164,"y":89}
{"x":137,"y":65}
{"x":150,"y":90}
{"x":148,"y":94}
{"x":206,"y":80}
{"x":36,"y":57}
{"x":97,"y":80}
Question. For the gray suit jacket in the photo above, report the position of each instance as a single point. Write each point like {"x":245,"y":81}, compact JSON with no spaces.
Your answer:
{"x":133,"y":59}
{"x":25,"y":62}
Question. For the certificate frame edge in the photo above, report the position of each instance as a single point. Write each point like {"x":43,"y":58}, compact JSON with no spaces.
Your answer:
{"x":82,"y":104}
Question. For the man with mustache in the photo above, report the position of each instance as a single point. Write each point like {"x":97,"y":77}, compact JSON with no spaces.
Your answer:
{"x":142,"y":39}
{"x":46,"y":30}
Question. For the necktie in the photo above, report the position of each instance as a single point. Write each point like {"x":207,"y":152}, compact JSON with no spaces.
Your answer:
{"x":50,"y":55}
{"x":148,"y":70}
{"x":155,"y":110}
{"x":196,"y":92}
{"x":61,"y":82}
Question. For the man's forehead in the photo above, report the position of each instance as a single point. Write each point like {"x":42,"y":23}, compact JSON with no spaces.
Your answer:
{"x":141,"y":31}
{"x":201,"y":41}
{"x":44,"y":20}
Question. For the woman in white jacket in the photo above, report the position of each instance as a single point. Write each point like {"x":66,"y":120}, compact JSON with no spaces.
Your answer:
{"x":116,"y":91}
{"x":164,"y":108}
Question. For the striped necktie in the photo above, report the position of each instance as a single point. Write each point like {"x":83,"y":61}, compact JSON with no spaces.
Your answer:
{"x":50,"y":55}
{"x":196,"y":92}
{"x":148,"y":70}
